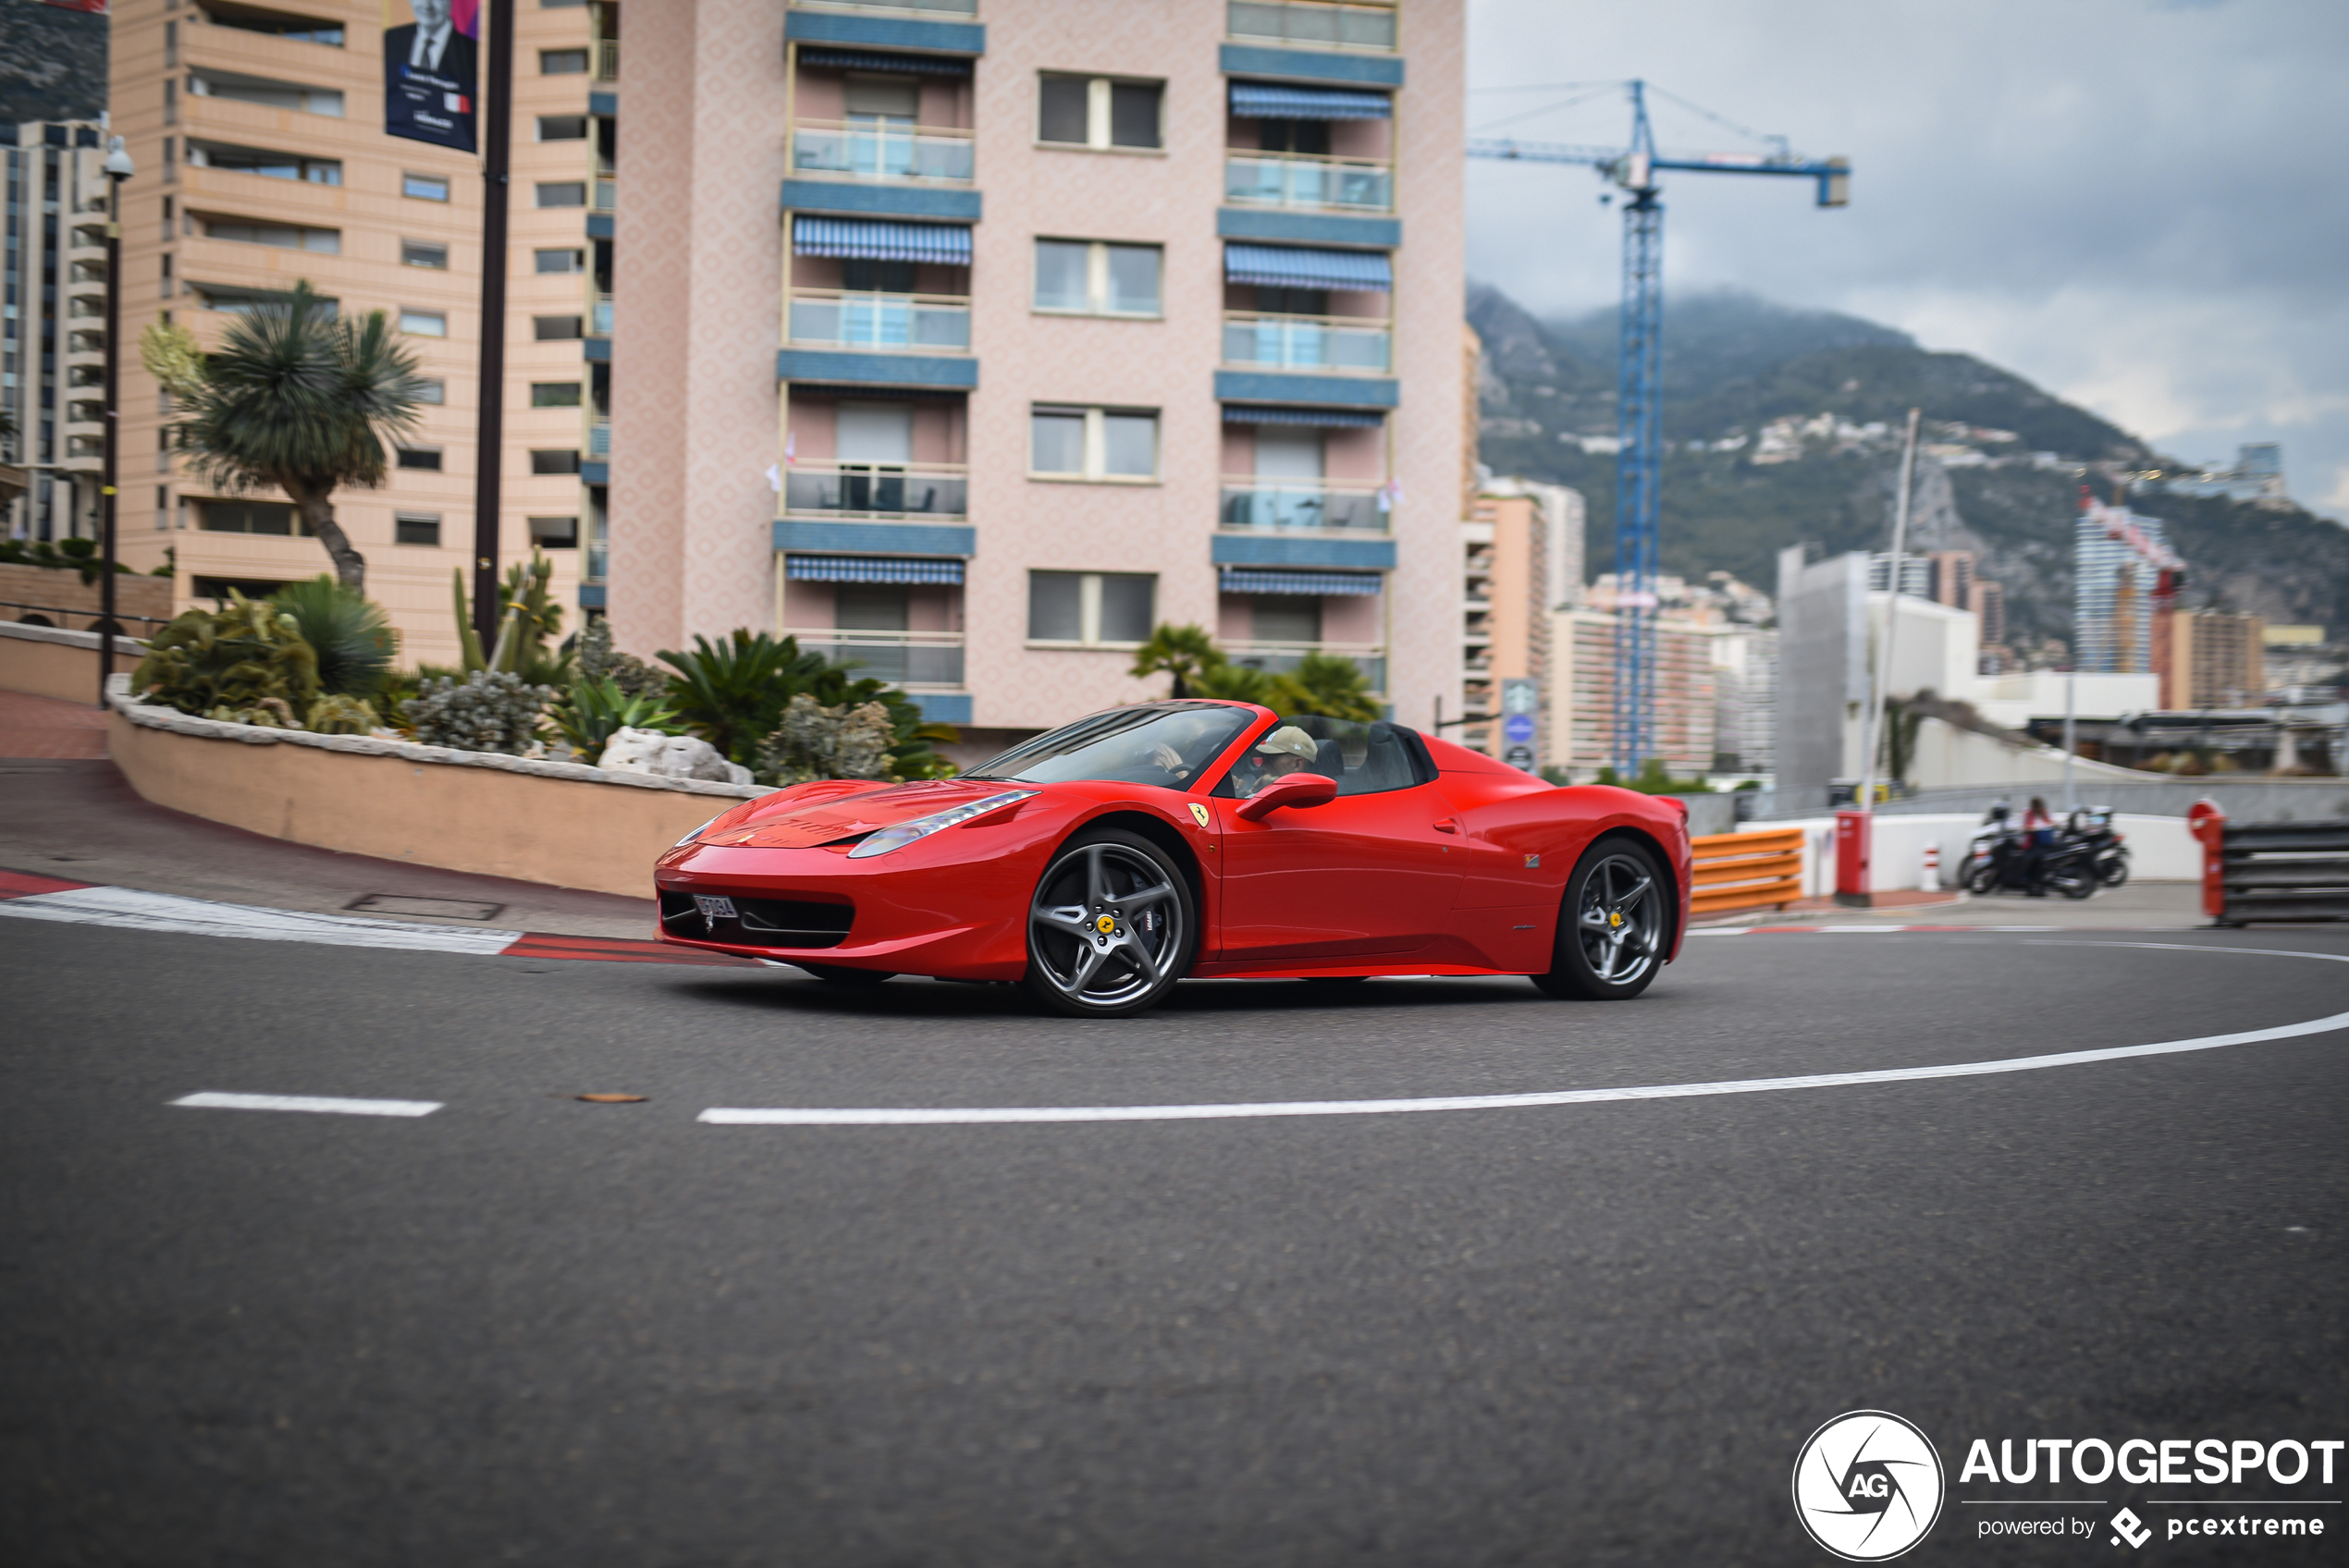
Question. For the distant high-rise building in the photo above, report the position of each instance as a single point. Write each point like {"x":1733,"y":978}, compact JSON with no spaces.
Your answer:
{"x":1745,"y":676}
{"x":1582,"y":692}
{"x":52,"y":339}
{"x":2116,"y":576}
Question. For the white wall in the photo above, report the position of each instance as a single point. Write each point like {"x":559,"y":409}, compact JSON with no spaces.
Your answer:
{"x":2160,"y":850}
{"x":2015,"y":700}
{"x":1950,"y":758}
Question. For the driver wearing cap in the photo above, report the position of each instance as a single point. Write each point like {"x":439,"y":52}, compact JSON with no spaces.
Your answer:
{"x":1285,"y":751}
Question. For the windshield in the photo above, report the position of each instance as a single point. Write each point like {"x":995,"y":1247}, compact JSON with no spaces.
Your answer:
{"x":1164,"y":744}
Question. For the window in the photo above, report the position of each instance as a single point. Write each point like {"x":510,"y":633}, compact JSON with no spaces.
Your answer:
{"x":1098,"y":279}
{"x":562,"y":128}
{"x":563,"y":193}
{"x":261,"y":90}
{"x":248,"y":516}
{"x":285,"y":235}
{"x":555,"y":532}
{"x":415,"y":528}
{"x":301,"y":29}
{"x":1091,"y":608}
{"x":555,"y":462}
{"x":1077,"y":111}
{"x":554,"y":394}
{"x":425,"y":458}
{"x":562,"y":62}
{"x":226,"y":297}
{"x":554,"y":329}
{"x":433,"y":390}
{"x":1354,"y":26}
{"x":425,"y":187}
{"x":424,"y":324}
{"x":262,"y":162}
{"x":561,"y":261}
{"x":1093,"y":443}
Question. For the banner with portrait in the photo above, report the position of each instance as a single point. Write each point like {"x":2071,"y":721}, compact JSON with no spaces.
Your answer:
{"x":431,"y":73}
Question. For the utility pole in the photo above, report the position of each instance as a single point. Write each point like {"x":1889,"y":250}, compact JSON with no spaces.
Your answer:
{"x":1883,"y":672}
{"x":489,"y":437}
{"x":119,"y":169}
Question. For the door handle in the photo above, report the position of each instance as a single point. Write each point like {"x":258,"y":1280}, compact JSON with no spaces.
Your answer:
{"x":1448,"y":826}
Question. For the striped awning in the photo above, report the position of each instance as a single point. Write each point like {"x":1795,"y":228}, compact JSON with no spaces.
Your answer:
{"x":1315,"y":584}
{"x":1261,"y":101}
{"x":1293,"y":266}
{"x":1322,"y":419}
{"x":942,"y":244}
{"x":873,"y":568}
{"x":865,"y":60}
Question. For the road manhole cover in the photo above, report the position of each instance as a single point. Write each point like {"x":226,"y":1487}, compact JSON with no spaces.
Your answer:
{"x":423,"y":908}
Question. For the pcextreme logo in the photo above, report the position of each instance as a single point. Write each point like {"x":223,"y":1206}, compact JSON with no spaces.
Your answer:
{"x":1867,"y":1486}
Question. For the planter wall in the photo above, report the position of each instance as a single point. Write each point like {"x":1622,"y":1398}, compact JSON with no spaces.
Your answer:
{"x":60,"y":596}
{"x":560,"y":823}
{"x":63,"y":665}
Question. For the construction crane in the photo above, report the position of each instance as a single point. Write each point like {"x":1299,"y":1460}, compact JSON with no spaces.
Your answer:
{"x":1638,"y":399}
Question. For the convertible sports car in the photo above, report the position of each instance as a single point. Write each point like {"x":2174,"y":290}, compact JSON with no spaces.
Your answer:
{"x":1100,"y":862}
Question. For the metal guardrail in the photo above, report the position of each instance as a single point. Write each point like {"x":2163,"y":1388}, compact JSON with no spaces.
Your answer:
{"x":92,"y":615}
{"x":2271,"y":870}
{"x":1741,"y":871}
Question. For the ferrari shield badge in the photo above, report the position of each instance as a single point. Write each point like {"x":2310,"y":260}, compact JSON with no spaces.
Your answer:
{"x":1200,"y":812}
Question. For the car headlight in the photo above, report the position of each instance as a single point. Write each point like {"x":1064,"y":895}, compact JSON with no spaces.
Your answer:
{"x":696,"y":833}
{"x":904,"y":833}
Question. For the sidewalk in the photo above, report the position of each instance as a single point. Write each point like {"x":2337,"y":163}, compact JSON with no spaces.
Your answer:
{"x":65,"y":811}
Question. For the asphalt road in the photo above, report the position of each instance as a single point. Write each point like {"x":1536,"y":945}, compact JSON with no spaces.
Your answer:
{"x":529,"y":1330}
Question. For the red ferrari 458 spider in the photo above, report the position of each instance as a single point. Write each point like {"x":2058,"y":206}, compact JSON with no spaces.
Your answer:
{"x":1102,"y":862}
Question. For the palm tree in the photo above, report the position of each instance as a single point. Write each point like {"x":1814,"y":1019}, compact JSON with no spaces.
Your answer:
{"x":1184,"y":652}
{"x":298,"y":397}
{"x":1328,"y":684}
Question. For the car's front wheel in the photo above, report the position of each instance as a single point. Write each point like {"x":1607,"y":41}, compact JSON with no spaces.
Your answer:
{"x":1615,"y":926}
{"x":1110,"y":928}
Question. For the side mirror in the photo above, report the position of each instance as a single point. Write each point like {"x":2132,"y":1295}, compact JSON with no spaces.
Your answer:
{"x":1299,"y":790}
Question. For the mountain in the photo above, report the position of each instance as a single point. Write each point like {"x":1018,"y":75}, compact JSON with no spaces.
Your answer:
{"x":53,"y":62}
{"x":1782,"y":426}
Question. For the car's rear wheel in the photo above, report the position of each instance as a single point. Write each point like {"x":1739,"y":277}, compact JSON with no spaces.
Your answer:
{"x":1614,"y":927}
{"x":1110,"y":927}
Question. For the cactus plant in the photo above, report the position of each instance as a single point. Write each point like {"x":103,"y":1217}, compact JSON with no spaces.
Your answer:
{"x":235,"y":659}
{"x":491,"y":711}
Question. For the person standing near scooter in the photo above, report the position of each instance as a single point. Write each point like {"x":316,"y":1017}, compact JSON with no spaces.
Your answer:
{"x":2038,"y":837}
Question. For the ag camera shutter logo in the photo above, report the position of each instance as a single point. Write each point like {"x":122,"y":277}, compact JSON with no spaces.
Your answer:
{"x":1867,"y":1486}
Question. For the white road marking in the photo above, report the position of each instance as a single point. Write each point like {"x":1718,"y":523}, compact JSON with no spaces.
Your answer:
{"x":310,"y":1102}
{"x":809,"y":1117}
{"x":128,"y":909}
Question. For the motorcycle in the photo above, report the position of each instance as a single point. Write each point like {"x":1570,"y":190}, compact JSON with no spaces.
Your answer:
{"x":2108,"y":850}
{"x":1998,"y":859}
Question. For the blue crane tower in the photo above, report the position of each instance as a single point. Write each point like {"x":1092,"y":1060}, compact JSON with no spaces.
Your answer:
{"x":1638,"y":399}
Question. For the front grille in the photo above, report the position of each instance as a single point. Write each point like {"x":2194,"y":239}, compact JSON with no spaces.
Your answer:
{"x":764,"y":922}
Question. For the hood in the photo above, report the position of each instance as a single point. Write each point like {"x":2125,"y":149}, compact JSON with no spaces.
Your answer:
{"x":807,"y":815}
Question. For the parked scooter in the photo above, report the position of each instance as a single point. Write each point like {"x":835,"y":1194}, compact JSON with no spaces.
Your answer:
{"x":2108,"y":850}
{"x":1998,"y":859}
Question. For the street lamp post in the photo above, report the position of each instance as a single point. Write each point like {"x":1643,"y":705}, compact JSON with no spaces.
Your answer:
{"x":119,"y":169}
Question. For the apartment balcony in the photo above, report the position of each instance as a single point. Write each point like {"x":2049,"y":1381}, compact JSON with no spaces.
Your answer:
{"x":913,"y":7}
{"x":599,"y":440}
{"x":1306,"y":183}
{"x":90,"y":272}
{"x":913,"y":492}
{"x":604,"y":197}
{"x":1277,"y":659}
{"x":85,"y":412}
{"x":927,"y":155}
{"x":599,"y":315}
{"x":87,"y":341}
{"x":1329,"y":345}
{"x":899,"y":324}
{"x":89,"y":236}
{"x":1313,"y":24}
{"x":910,"y":659}
{"x":1301,"y":505}
{"x":608,"y":59}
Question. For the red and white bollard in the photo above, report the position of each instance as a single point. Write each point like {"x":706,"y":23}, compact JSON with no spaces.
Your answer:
{"x":1931,"y":880}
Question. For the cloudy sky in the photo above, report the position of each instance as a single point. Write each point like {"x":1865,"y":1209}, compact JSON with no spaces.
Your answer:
{"x":2141,"y":204}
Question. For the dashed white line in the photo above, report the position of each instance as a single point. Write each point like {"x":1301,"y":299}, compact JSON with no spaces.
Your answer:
{"x":321,"y":1103}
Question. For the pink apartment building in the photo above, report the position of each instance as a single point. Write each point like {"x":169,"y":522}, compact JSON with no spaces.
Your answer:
{"x":971,"y":338}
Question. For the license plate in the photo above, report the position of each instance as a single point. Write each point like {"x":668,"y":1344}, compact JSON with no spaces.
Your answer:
{"x":713,"y":908}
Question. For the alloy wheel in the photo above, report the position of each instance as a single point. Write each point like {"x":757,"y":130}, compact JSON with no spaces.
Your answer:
{"x":1621,"y":922}
{"x":1106,"y":930}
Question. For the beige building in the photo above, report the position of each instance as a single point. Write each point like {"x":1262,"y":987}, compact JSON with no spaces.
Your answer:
{"x":1582,"y":692}
{"x":973,"y":338}
{"x":262,"y":160}
{"x":52,"y":338}
{"x":2215,"y":660}
{"x":1521,"y":556}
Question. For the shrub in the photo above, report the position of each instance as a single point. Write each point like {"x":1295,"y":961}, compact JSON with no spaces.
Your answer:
{"x":234,"y":659}
{"x":336,"y":714}
{"x":490,"y":711}
{"x":815,"y":741}
{"x":347,"y":631}
{"x":591,"y":712}
{"x":732,"y":694}
{"x":599,"y":660}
